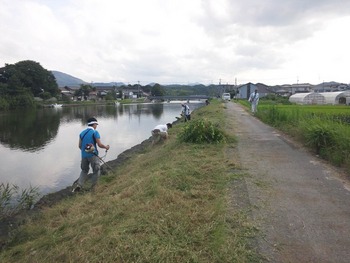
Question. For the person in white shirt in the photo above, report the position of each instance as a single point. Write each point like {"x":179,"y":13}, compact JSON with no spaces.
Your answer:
{"x":186,"y":112}
{"x":160,"y":132}
{"x":254,"y":100}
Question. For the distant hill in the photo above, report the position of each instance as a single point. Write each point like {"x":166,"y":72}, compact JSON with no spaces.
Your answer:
{"x":327,"y":84}
{"x":64,"y":79}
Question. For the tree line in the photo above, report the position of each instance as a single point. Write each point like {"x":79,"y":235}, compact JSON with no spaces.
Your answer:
{"x":22,"y":82}
{"x":118,"y":92}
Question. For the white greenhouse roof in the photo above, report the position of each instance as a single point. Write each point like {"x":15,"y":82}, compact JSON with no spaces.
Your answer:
{"x":307,"y":98}
{"x":298,"y":98}
{"x":320,"y":98}
{"x":333,"y":97}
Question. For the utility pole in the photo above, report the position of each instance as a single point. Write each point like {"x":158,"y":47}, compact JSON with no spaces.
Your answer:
{"x":138,"y":85}
{"x":323,"y":86}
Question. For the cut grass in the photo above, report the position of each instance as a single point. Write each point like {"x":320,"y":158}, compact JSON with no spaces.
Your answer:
{"x":169,"y":204}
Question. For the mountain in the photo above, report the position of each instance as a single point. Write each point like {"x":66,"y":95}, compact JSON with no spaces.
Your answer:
{"x":64,"y":79}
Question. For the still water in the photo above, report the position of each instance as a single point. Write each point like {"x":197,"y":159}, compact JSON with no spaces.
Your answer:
{"x":39,"y":148}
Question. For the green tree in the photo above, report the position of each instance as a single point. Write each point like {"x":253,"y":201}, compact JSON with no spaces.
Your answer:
{"x":78,"y":93}
{"x":22,"y":81}
{"x":33,"y":76}
{"x":85,"y":90}
{"x":157,"y":90}
{"x":120,"y":94}
{"x":111,"y":95}
{"x":147,"y":88}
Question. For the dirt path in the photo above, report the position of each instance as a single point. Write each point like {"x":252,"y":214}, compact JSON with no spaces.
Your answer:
{"x":300,"y":204}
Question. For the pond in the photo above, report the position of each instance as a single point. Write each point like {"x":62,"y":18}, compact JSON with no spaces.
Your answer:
{"x":39,"y":148}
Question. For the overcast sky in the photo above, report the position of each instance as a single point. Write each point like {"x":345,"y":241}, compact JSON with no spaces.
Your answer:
{"x":181,"y":41}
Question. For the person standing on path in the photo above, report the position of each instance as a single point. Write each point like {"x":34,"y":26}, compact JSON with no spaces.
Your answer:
{"x":254,"y":100}
{"x":88,"y":139}
{"x":186,"y":112}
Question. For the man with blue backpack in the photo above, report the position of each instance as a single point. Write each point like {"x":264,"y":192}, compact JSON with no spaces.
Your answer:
{"x":89,"y":139}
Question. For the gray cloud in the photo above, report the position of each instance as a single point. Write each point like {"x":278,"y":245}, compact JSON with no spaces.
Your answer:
{"x":179,"y":41}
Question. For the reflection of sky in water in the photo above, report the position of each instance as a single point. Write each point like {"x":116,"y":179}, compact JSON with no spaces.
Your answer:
{"x":57,"y":165}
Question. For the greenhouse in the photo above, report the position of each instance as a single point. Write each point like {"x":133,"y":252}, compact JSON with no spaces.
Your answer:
{"x":307,"y":98}
{"x":334,"y":98}
{"x":338,"y":97}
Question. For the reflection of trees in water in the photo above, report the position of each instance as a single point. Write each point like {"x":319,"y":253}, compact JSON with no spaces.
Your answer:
{"x":141,"y":109}
{"x":157,"y":110}
{"x":82,"y":113}
{"x":29,"y":130}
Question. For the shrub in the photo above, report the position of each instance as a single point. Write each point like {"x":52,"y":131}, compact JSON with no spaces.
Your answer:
{"x":201,"y":131}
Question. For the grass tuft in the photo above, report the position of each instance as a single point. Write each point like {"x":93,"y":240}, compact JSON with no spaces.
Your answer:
{"x":13,"y":199}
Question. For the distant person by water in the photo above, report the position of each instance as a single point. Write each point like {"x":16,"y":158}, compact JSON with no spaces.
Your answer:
{"x":160,"y":132}
{"x":186,"y":112}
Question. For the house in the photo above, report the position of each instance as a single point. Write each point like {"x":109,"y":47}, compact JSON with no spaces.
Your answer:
{"x":67,"y":92}
{"x":290,"y":89}
{"x":330,"y":87}
{"x":244,"y":91}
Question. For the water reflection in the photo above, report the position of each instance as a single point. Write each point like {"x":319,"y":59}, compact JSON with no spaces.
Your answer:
{"x":33,"y":129}
{"x":141,"y":109}
{"x":30,"y":131}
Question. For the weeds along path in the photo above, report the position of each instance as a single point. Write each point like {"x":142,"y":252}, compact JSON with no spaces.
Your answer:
{"x":300,"y":205}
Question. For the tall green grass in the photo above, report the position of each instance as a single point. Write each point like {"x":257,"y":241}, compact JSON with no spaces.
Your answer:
{"x":323,"y":128}
{"x":329,"y":139}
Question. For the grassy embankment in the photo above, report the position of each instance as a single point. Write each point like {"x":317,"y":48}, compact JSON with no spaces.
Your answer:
{"x":169,"y":204}
{"x":325,"y":129}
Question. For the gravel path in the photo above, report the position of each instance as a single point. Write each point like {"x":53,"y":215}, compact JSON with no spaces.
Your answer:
{"x":300,"y":204}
